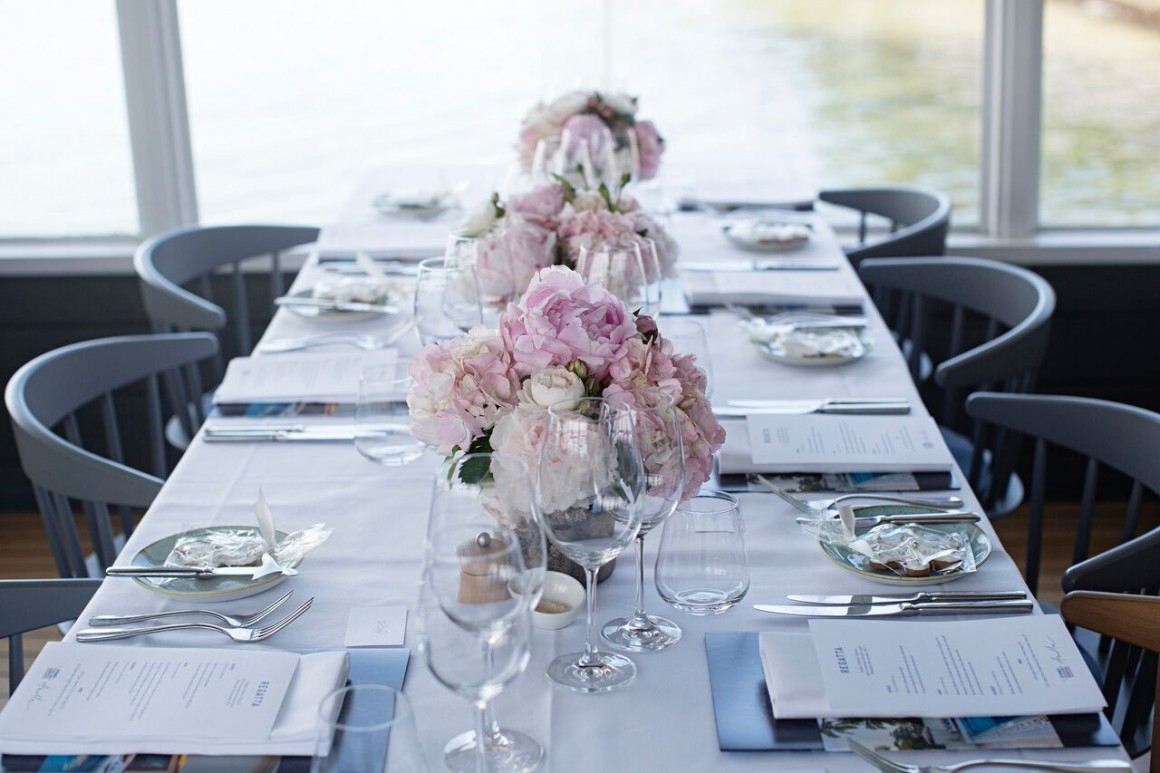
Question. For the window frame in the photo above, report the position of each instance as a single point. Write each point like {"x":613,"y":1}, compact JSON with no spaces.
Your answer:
{"x":1009,"y":177}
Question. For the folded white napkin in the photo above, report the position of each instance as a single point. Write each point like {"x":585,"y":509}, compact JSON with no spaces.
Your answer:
{"x":807,"y":288}
{"x":793,"y":676}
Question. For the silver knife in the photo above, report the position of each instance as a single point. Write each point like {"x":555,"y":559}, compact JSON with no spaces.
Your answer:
{"x":901,"y":609}
{"x":741,"y":408}
{"x":760,"y":265}
{"x":183,"y":571}
{"x":942,"y":516}
{"x":326,"y":303}
{"x":901,"y":598}
{"x":293,"y":432}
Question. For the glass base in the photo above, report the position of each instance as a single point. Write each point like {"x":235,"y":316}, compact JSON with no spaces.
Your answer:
{"x":623,"y":633}
{"x":516,"y":752}
{"x":608,"y":671}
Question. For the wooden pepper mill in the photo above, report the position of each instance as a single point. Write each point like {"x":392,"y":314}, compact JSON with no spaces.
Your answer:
{"x":480,"y":582}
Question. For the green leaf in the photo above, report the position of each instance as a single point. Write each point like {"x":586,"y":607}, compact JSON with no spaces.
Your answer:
{"x":569,"y":189}
{"x":499,"y":210}
{"x":607,"y":196}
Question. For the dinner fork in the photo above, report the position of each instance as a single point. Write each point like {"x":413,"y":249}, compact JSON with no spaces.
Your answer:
{"x":888,"y":765}
{"x":244,"y":621}
{"x":813,"y":507}
{"x":237,"y":634}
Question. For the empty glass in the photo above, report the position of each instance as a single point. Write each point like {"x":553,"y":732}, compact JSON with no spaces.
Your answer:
{"x":366,"y":727}
{"x":381,"y":417}
{"x":688,"y":337}
{"x":701,"y":567}
{"x":446,"y":300}
{"x":658,"y":432}
{"x":589,"y":484}
{"x":619,"y":268}
{"x":587,"y":158}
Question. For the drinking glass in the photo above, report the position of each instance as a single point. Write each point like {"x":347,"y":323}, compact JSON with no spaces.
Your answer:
{"x":484,"y":572}
{"x":492,"y":277}
{"x":619,"y":268}
{"x":658,"y":432}
{"x":588,"y":489}
{"x":588,"y":159}
{"x":651,"y":264}
{"x":381,"y":417}
{"x":688,"y":337}
{"x":446,"y":300}
{"x":366,"y":727}
{"x":701,"y":567}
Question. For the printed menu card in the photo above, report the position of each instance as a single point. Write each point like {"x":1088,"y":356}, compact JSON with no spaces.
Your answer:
{"x":858,"y":443}
{"x":966,"y":668}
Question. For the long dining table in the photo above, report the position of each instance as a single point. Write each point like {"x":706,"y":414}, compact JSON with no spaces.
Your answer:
{"x":665,"y":719}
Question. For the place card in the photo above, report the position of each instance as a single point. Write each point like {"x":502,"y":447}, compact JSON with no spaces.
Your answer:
{"x":846,"y":443}
{"x":964,"y":668}
{"x":312,"y":376}
{"x":376,"y":627}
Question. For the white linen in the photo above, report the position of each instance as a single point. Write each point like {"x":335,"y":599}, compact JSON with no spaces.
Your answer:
{"x":317,"y":376}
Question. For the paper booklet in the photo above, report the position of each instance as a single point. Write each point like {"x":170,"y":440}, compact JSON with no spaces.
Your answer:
{"x":313,"y":376}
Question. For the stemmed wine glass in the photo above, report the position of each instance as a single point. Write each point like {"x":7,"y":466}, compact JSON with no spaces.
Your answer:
{"x":476,"y":599}
{"x":619,"y":268}
{"x":588,"y":490}
{"x":658,"y":432}
{"x":446,"y":299}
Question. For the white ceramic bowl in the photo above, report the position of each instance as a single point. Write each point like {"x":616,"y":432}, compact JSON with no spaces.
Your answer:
{"x":562,"y":601}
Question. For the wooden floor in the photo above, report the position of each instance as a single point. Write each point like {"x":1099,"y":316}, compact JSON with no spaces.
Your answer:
{"x":24,"y":554}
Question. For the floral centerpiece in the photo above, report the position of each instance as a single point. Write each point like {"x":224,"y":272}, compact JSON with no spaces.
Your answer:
{"x":490,"y":389}
{"x":583,"y":114}
{"x":548,"y":226}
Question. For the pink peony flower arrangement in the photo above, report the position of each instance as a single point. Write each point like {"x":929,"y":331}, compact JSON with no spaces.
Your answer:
{"x":583,"y":113}
{"x":563,"y":340}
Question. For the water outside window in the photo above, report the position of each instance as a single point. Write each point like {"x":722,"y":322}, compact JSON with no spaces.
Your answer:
{"x":290,"y":101}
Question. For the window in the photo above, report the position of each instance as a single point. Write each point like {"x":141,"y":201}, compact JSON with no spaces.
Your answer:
{"x":1101,"y":107}
{"x":64,"y":138}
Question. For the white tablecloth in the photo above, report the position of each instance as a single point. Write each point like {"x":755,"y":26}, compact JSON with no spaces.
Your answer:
{"x":663,"y":721}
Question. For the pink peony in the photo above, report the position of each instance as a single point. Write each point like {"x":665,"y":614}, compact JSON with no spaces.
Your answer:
{"x":582,"y":229}
{"x":650,"y":146}
{"x":460,"y":388}
{"x":510,"y":255}
{"x":542,"y":205}
{"x":560,"y":319}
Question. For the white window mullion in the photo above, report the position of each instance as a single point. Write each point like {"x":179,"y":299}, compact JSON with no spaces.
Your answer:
{"x":1012,"y":99}
{"x":158,"y":120}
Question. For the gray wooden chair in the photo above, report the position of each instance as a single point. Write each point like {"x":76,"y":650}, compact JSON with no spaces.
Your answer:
{"x":1131,"y":623}
{"x":985,"y":325}
{"x":29,"y":605}
{"x":194,"y":279}
{"x":88,"y":424}
{"x":895,"y":221}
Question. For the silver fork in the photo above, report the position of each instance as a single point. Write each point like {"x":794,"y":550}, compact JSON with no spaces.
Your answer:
{"x":237,"y":634}
{"x":243,"y":621}
{"x":888,"y":765}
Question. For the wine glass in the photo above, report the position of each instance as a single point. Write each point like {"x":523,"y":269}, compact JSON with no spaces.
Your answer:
{"x":486,"y":255}
{"x":446,"y":299}
{"x":587,"y":158}
{"x":588,"y":489}
{"x":484,"y":573}
{"x":658,"y":433}
{"x":651,"y":265}
{"x":618,"y":267}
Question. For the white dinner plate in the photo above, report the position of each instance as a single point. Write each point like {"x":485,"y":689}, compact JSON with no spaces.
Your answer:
{"x":208,"y":589}
{"x":337,"y":315}
{"x":859,"y":564}
{"x":766,"y":235}
{"x":413,"y":204}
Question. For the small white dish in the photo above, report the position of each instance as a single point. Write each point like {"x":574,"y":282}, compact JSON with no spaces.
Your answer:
{"x":561,"y":603}
{"x":418,"y":204}
{"x":340,"y":315}
{"x":767,"y":235}
{"x":808,"y":344}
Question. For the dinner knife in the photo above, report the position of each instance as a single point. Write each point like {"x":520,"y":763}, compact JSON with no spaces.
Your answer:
{"x":867,"y":521}
{"x":923,"y":597}
{"x":760,"y":265}
{"x":901,"y":609}
{"x":293,"y":433}
{"x":184,"y":571}
{"x":327,"y":304}
{"x":741,"y":408}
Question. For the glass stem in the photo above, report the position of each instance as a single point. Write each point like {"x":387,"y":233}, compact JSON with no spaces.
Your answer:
{"x":492,"y":738}
{"x":480,"y":733}
{"x":591,"y":654}
{"x":639,"y":617}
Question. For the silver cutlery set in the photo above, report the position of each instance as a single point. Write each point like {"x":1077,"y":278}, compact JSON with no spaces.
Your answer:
{"x":854,"y":405}
{"x":904,"y":604}
{"x":238,"y":628}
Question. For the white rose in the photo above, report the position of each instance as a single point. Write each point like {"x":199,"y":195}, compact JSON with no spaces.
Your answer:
{"x":551,"y":386}
{"x":587,"y":200}
{"x":479,"y":221}
{"x":620,"y":102}
{"x":569,"y":104}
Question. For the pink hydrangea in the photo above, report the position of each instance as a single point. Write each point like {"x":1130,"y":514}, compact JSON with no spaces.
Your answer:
{"x":647,"y":227}
{"x":650,"y":146}
{"x":460,"y":388}
{"x":582,"y":229}
{"x":560,"y":319}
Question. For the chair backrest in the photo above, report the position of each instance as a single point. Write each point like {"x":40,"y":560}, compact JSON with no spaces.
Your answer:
{"x":78,"y":443}
{"x":193,"y":279}
{"x":29,"y":605}
{"x":999,"y":319}
{"x":1132,"y":624}
{"x":917,"y":220}
{"x":1118,"y":445}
